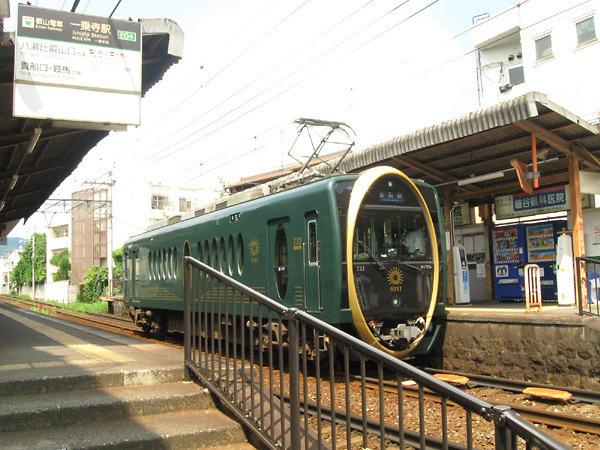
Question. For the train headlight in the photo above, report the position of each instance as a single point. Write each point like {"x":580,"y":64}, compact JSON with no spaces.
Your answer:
{"x":396,"y":302}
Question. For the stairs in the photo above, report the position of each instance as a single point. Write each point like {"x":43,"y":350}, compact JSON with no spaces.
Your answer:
{"x":133,"y":409}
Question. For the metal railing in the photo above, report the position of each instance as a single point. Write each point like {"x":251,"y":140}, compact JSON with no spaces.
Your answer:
{"x":587,"y":271}
{"x":300,"y":383}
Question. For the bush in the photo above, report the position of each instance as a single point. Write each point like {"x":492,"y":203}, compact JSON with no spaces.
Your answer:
{"x":63,"y":262}
{"x":93,"y":285}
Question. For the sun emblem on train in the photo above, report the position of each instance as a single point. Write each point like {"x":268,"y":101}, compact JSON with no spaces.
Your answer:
{"x":254,"y":248}
{"x":395,"y":279}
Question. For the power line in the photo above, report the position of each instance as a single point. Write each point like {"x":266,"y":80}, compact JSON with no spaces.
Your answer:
{"x":75,"y":4}
{"x":236,"y":58}
{"x":309,"y":63}
{"x":271,"y":69}
{"x":496,"y":40}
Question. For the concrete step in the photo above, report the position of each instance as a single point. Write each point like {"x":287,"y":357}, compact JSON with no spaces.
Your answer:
{"x":61,"y":379}
{"x":21,"y":412}
{"x":174,"y":430}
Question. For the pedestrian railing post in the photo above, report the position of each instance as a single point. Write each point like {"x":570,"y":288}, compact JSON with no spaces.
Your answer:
{"x":187,"y":327}
{"x":294,"y":378}
{"x":505,"y":438}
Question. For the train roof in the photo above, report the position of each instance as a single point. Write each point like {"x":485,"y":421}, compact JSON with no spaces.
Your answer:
{"x":226,"y":206}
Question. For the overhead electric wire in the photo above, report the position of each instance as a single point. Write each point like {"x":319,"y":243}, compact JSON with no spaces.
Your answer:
{"x":151,"y":159}
{"x":236,"y":58}
{"x":431,"y":69}
{"x":75,"y":4}
{"x":277,"y":95}
{"x":278,"y":125}
{"x":268,"y":71}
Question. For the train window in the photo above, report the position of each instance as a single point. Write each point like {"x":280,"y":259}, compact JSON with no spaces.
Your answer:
{"x":200,"y":256}
{"x":164,"y":264}
{"x":168,"y":265}
{"x":230,"y":255}
{"x":206,"y":253}
{"x":281,"y":261}
{"x":313,"y":256}
{"x":150,"y":273}
{"x":214,"y":255}
{"x":175,"y":263}
{"x":240,"y":254}
{"x":223,"y":255}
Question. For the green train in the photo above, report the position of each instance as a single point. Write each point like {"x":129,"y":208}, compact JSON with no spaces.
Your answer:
{"x":359,"y":251}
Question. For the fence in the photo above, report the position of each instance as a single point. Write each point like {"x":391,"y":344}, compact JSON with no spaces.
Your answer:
{"x":589,"y":269}
{"x":275,"y":369}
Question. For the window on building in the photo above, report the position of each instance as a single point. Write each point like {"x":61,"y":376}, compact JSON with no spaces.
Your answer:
{"x":586,"y":31}
{"x":543,"y":48}
{"x":61,"y":231}
{"x":184,"y":204}
{"x":159,"y":201}
{"x":516,"y":75}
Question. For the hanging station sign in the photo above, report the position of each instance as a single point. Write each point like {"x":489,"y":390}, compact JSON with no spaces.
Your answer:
{"x":76,"y":67}
{"x":542,"y":201}
{"x":462,"y":214}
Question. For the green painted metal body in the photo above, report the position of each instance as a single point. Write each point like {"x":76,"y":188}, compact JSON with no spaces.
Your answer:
{"x":154,"y":277}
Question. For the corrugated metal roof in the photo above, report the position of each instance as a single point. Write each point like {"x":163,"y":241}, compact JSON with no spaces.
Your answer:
{"x":505,"y":113}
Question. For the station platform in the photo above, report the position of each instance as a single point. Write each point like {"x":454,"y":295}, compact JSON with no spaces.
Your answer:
{"x":66,"y":385}
{"x":553,"y":345}
{"x":31,"y":343}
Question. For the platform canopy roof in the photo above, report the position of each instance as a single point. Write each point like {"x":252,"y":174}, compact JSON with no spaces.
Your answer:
{"x":60,"y":150}
{"x":483,"y":142}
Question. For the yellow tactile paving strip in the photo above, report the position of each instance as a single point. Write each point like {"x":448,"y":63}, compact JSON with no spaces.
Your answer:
{"x":48,"y":364}
{"x":92,"y":351}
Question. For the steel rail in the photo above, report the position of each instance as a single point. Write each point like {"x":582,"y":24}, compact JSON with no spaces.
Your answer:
{"x":80,"y":317}
{"x":580,"y":395}
{"x":537,"y":415}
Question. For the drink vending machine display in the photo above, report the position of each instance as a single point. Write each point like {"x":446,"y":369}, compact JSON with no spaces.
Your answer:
{"x":541,"y":250}
{"x":509,"y":258}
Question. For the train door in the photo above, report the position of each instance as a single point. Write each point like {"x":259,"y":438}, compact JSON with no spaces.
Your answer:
{"x":312,"y":264}
{"x":278,"y":259}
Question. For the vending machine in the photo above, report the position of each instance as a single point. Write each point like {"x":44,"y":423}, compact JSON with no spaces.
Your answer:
{"x":541,"y":250}
{"x":509,"y":259}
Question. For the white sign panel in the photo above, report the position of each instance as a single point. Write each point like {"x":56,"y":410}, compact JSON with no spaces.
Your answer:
{"x":76,"y":67}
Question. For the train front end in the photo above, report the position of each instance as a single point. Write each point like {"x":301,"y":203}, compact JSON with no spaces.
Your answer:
{"x":394,"y":263}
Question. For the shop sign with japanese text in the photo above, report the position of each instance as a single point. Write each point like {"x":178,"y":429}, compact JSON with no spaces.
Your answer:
{"x":542,"y":201}
{"x":77,"y":67}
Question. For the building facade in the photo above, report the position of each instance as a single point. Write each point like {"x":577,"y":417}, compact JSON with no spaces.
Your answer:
{"x":549,"y":46}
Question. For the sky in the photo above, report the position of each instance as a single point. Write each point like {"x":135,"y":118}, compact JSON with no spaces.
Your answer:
{"x":250,"y":68}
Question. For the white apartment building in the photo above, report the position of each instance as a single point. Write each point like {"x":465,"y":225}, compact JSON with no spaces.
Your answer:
{"x":6,"y":266}
{"x":140,"y":204}
{"x":550,"y":46}
{"x":58,"y":239}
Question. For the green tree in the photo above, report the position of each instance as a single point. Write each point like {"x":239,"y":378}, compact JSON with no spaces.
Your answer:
{"x":22,"y":272}
{"x":118,"y":270}
{"x":61,"y":260}
{"x":93,"y":285}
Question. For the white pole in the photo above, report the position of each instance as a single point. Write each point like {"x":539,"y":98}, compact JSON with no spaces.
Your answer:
{"x":33,"y":265}
{"x":109,"y":244}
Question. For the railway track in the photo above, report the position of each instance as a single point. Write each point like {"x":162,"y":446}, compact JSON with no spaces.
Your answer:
{"x":536,"y":415}
{"x":108,"y":323}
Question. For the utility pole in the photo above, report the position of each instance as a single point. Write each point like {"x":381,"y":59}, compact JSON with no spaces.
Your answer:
{"x":109,"y":243}
{"x":33,"y":265}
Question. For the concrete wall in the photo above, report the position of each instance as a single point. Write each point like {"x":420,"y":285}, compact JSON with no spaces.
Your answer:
{"x":564,"y":352}
{"x":59,"y":290}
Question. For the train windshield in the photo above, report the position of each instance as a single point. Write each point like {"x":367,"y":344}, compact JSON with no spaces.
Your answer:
{"x":391,"y":234}
{"x":392,"y":260}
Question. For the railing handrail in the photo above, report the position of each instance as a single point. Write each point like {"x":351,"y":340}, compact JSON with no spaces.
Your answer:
{"x":500,"y":415}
